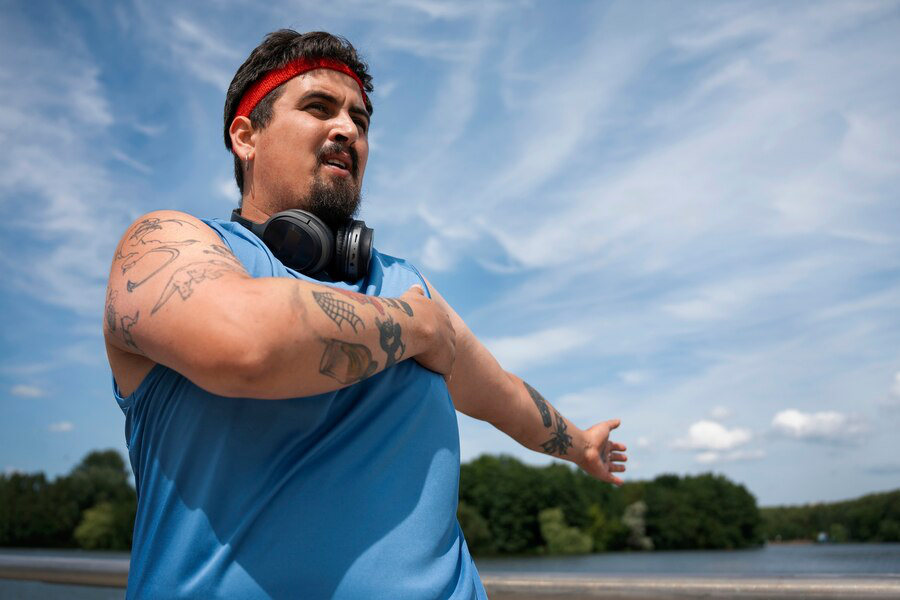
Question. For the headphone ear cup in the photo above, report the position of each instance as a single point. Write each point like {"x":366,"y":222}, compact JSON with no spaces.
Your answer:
{"x":356,"y":241}
{"x":300,"y":240}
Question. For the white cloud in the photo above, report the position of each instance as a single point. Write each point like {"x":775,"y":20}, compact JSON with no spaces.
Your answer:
{"x":27,"y":391}
{"x":822,"y":426}
{"x":643,"y":442}
{"x":895,"y":390}
{"x":227,"y":189}
{"x":720,"y":413}
{"x":543,"y":347}
{"x":712,"y":457}
{"x":635,"y":377}
{"x":711,"y":436}
{"x":61,"y":427}
{"x":131,"y":162}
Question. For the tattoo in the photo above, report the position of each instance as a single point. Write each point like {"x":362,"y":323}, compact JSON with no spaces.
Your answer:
{"x":127,"y":324}
{"x":560,"y":441}
{"x":338,"y":310}
{"x":391,"y":340}
{"x":111,"y":296}
{"x":170,"y":254}
{"x":223,"y":252}
{"x":399,"y":304}
{"x":363,"y":299}
{"x":346,"y":362}
{"x":184,"y":279}
{"x":540,"y":403}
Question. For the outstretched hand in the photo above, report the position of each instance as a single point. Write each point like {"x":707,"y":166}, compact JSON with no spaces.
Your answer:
{"x":603,"y":457}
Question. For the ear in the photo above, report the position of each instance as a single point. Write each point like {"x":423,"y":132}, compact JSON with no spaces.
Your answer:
{"x":242,"y":140}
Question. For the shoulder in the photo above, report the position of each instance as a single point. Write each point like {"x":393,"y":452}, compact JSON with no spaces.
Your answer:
{"x":146,"y":226}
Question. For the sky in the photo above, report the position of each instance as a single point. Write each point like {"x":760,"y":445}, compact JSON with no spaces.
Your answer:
{"x":684,"y":215}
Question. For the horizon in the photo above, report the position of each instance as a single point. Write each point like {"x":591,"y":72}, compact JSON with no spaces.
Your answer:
{"x":682,"y":216}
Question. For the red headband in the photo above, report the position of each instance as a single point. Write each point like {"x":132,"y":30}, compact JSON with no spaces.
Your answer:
{"x":272,"y":79}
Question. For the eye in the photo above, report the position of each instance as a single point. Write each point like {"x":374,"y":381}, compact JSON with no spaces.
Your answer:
{"x":362,"y":124}
{"x":317,"y":107}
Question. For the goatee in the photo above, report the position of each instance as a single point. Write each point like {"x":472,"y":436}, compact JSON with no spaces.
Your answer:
{"x":335,"y":199}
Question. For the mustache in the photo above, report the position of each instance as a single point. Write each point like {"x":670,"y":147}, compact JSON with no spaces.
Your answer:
{"x":336,"y":148}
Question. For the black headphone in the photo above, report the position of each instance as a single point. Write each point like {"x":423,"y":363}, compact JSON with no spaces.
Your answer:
{"x":303,"y":242}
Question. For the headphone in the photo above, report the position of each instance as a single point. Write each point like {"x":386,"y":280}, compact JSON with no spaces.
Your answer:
{"x":303,"y":242}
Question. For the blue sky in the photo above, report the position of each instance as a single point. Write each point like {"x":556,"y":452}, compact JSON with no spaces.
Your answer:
{"x":686,"y":215}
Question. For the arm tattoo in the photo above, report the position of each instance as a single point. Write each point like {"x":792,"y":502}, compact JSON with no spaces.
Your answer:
{"x":399,"y":304}
{"x":346,"y":362}
{"x":127,"y":324}
{"x":390,"y":340}
{"x":184,"y":279}
{"x":560,"y":441}
{"x":363,"y":299}
{"x":111,"y":296}
{"x":338,"y":310}
{"x":540,"y":403}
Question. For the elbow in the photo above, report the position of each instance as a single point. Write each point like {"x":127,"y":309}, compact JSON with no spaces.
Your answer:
{"x":235,"y":367}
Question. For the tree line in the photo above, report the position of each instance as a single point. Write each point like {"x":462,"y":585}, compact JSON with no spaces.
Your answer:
{"x":871,"y":518}
{"x":92,"y":507}
{"x":505,"y":507}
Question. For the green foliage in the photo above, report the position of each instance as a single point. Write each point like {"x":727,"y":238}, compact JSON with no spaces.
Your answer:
{"x":475,"y":528}
{"x":703,"y":512}
{"x":560,"y":538}
{"x":35,"y":512}
{"x":670,"y":512}
{"x":872,"y":518}
{"x":106,"y":526}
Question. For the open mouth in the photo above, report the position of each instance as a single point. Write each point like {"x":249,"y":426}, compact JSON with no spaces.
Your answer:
{"x":339,"y":160}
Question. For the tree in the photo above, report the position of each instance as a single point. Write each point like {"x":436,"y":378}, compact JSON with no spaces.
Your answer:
{"x":560,"y":538}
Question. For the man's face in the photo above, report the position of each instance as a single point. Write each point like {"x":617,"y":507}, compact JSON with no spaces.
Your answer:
{"x":312,"y":154}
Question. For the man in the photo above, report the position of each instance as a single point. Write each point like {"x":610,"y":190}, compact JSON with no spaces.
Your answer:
{"x":283,"y":444}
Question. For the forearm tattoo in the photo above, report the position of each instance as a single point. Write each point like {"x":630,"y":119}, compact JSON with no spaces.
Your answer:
{"x":346,"y":362}
{"x":391,"y":340}
{"x":560,"y":441}
{"x":540,"y":403}
{"x":338,"y":311}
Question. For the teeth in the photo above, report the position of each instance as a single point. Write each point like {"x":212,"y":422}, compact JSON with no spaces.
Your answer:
{"x":337,"y":164}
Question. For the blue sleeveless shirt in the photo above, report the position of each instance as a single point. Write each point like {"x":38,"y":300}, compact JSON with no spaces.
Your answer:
{"x":349,"y":494}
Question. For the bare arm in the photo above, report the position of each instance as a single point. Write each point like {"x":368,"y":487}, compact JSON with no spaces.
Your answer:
{"x":177,"y":296}
{"x":482,"y":389}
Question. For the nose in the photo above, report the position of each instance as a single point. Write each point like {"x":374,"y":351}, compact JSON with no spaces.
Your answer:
{"x":343,"y":129}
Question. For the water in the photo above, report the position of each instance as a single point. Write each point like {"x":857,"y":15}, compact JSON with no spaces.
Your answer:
{"x":802,"y":560}
{"x":808,"y":561}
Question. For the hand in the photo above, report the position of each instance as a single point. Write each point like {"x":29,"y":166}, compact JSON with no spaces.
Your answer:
{"x":603,"y":457}
{"x":435,"y":333}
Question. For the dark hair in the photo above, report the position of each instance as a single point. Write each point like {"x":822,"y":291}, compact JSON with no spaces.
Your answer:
{"x":276,"y":50}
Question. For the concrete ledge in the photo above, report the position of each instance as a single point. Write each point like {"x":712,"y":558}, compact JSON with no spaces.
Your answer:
{"x":103,"y":572}
{"x":113,"y":572}
{"x":653,"y":588}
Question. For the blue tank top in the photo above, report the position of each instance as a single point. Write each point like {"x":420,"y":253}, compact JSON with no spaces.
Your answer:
{"x":349,"y":494}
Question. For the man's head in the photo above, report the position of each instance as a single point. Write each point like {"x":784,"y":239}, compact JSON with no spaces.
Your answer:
{"x":288,"y":150}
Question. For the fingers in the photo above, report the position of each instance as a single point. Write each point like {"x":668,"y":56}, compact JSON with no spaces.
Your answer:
{"x":613,"y":423}
{"x":617,"y":468}
{"x":616,"y":457}
{"x":617,"y":447}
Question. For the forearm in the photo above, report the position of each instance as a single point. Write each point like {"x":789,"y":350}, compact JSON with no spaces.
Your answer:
{"x":528,"y":418}
{"x":304,"y":339}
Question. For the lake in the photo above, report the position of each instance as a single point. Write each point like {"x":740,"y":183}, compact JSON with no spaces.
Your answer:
{"x":807,"y":561}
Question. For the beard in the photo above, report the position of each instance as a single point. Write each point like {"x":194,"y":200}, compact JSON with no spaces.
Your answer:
{"x":335,"y":199}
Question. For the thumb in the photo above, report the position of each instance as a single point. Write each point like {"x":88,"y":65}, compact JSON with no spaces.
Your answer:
{"x":613,"y":423}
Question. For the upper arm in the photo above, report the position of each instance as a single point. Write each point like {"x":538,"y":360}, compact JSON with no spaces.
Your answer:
{"x":168,"y":280}
{"x":479,"y":386}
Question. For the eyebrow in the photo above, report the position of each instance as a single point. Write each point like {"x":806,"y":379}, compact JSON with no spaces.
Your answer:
{"x":354,"y":110}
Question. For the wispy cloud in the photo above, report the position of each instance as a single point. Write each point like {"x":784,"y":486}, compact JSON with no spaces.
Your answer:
{"x":27,"y":391}
{"x":544,"y":347}
{"x":61,"y":427}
